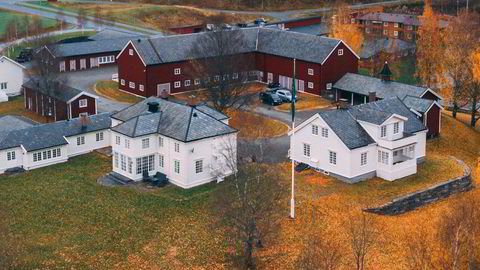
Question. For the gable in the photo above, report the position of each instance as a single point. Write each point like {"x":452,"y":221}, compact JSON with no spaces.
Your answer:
{"x":125,"y":52}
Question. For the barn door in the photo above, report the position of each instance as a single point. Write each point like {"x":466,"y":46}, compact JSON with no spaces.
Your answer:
{"x":163,"y":89}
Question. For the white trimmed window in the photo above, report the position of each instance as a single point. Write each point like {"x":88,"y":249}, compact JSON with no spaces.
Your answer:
{"x":383,"y":131}
{"x":81,"y":140}
{"x":306,"y":150}
{"x":117,"y":140}
{"x":176,"y":166}
{"x":187,"y":82}
{"x":177,"y":147}
{"x":82,"y":103}
{"x":127,"y":143}
{"x":332,"y":157}
{"x":383,"y":157}
{"x":363,"y":159}
{"x":99,"y":136}
{"x":122,"y":82}
{"x":385,"y":24}
{"x":177,"y":71}
{"x":197,"y":81}
{"x":131,"y":85}
{"x":396,"y":127}
{"x":314,"y":129}
{"x":395,"y":33}
{"x":56,"y":153}
{"x":3,"y":85}
{"x":123,"y":163}
{"x":130,"y":51}
{"x":199,"y":166}
{"x":329,"y":86}
{"x":324,"y":132}
{"x":177,"y":84}
{"x":11,"y":155}
{"x":216,"y":78}
{"x":235,"y":76}
{"x":385,"y":32}
{"x":310,"y":71}
{"x":145,"y":164}
{"x":160,"y":141}
{"x":310,"y":85}
{"x":130,"y":165}
{"x":145,"y":143}
{"x":161,"y":161}
{"x":115,"y":157}
{"x":340,"y":52}
{"x":367,"y":30}
{"x":140,"y":87}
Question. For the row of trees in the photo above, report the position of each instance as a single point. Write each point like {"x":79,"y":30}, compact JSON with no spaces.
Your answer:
{"x":447,"y":59}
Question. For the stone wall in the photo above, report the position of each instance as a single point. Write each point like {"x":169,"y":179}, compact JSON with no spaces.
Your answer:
{"x":417,"y":199}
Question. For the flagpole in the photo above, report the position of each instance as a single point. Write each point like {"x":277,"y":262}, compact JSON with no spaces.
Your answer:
{"x":292,"y":200}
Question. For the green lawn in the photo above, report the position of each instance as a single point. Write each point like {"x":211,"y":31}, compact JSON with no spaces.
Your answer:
{"x":6,"y":16}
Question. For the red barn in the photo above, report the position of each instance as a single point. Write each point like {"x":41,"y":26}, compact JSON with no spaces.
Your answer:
{"x":58,"y":102}
{"x":147,"y":67}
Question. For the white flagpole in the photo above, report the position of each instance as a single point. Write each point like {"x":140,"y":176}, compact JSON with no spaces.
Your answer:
{"x":292,"y":200}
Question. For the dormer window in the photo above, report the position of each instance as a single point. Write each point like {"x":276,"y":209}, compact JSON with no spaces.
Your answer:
{"x":383,"y":131}
{"x":340,"y":51}
{"x":177,"y":71}
{"x":130,"y":52}
{"x":396,"y":128}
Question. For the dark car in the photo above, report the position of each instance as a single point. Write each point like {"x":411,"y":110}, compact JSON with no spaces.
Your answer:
{"x":25,"y":55}
{"x":273,"y":85}
{"x":270,"y":98}
{"x":301,"y":167}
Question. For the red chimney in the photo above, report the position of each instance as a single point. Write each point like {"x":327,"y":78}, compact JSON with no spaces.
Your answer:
{"x":372,"y":96}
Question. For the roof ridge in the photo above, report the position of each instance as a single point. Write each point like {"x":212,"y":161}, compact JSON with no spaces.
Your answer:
{"x":189,"y":123}
{"x":135,"y":126}
{"x":159,"y":121}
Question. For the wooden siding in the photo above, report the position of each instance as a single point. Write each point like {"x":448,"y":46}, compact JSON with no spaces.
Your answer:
{"x":337,"y":65}
{"x":90,"y":109}
{"x":87,"y":60}
{"x":132,"y":69}
{"x":433,"y":121}
{"x":304,"y":22}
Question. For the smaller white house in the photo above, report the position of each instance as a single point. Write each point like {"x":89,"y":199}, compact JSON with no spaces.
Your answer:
{"x":28,"y":145}
{"x":191,"y":145}
{"x":11,"y":77}
{"x":382,"y":138}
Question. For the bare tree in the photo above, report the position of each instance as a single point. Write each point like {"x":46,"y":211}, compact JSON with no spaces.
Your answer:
{"x":363,"y":234}
{"x":215,"y":59}
{"x":419,"y":252}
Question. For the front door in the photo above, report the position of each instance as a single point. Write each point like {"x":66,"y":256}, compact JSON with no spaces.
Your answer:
{"x":163,"y":89}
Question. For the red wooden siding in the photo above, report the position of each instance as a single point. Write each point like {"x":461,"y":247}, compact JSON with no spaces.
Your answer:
{"x":132,"y":69}
{"x":305,"y":22}
{"x":87,"y":60}
{"x":75,"y":106}
{"x":433,"y":121}
{"x":338,"y":65}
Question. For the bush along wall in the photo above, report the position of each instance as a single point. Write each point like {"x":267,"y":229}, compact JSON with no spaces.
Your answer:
{"x":434,"y":193}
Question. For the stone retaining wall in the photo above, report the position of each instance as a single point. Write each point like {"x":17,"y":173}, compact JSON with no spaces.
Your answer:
{"x":417,"y":199}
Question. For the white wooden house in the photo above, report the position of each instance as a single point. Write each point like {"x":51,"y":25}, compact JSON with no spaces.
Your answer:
{"x":382,"y":138}
{"x":11,"y":76}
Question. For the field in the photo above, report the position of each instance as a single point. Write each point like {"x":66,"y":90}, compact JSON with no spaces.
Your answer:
{"x":59,"y":217}
{"x":161,"y":17}
{"x":251,"y":125}
{"x":305,"y":102}
{"x":6,"y":16}
{"x":109,"y":89}
{"x":16,"y":106}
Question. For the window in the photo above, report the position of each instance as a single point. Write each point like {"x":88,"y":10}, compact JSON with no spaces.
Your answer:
{"x":130,"y":52}
{"x":314,"y":129}
{"x":395,"y":33}
{"x":106,"y":59}
{"x":140,"y":87}
{"x":73,"y":65}
{"x":177,"y":147}
{"x":352,"y":20}
{"x":56,"y":153}
{"x":306,"y":150}
{"x":332,"y":157}
{"x":385,"y":32}
{"x":11,"y":155}
{"x":81,"y":140}
{"x":367,"y":30}
{"x":127,"y":143}
{"x":161,"y":161}
{"x":363,"y":159}
{"x":131,"y":85}
{"x":409,"y":27}
{"x":117,"y":140}
{"x":396,"y":127}
{"x":197,"y":81}
{"x":3,"y":85}
{"x":383,"y":131}
{"x":177,"y":71}
{"x":99,"y":136}
{"x":216,"y":78}
{"x":176,"y":166}
{"x":199,"y":166}
{"x":122,"y":82}
{"x":340,"y":51}
{"x":409,"y":36}
{"x":187,"y":82}
{"x":62,"y":66}
{"x":329,"y":86}
{"x":310,"y":85}
{"x":145,"y":143}
{"x":177,"y":84}
{"x":324,"y":132}
{"x":160,"y":141}
{"x":310,"y":71}
{"x":130,"y":165}
{"x":115,"y":157}
{"x":385,"y":24}
{"x":382,"y":157}
{"x":395,"y":25}
{"x":123,"y":163}
{"x":235,"y":76}
{"x":145,"y":164}
{"x":82,"y":103}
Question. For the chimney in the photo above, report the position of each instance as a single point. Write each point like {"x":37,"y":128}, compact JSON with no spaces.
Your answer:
{"x":152,"y":107}
{"x":386,"y":74}
{"x":372,"y":96}
{"x":84,"y":121}
{"x":164,"y":95}
{"x":191,"y":101}
{"x":342,"y":104}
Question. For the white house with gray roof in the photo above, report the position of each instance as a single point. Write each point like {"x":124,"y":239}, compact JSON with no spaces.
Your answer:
{"x":29,"y":145}
{"x":11,"y":77}
{"x":382,"y":138}
{"x":188,"y":144}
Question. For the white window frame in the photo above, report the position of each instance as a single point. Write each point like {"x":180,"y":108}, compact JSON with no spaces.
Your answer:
{"x":127,"y":143}
{"x":11,"y":155}
{"x":396,"y":127}
{"x":310,"y":71}
{"x":177,"y":71}
{"x":307,"y":150}
{"x":315,"y":130}
{"x":329,"y":86}
{"x":340,"y":52}
{"x":197,"y":81}
{"x":383,"y":131}
{"x":177,"y":84}
{"x":199,"y":166}
{"x":140,"y":87}
{"x":324,"y":132}
{"x":122,"y":81}
{"x":332,"y":157}
{"x":131,"y":85}
{"x":130,"y":51}
{"x":160,"y":141}
{"x":187,"y":82}
{"x":177,"y":147}
{"x":161,"y":161}
{"x":117,"y":140}
{"x":83,"y":103}
{"x":176,"y":166}
{"x":146,"y":143}
{"x":99,"y":136}
{"x":80,"y":140}
{"x":363,"y":158}
{"x":310,"y":85}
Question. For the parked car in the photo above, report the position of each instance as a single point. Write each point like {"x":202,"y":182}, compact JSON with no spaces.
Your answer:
{"x":260,"y":21}
{"x":273,"y":85}
{"x":301,"y":167}
{"x":270,"y":98}
{"x":25,"y":55}
{"x":284,"y":94}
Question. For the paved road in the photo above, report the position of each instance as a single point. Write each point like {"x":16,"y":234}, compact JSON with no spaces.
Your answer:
{"x":85,"y":80}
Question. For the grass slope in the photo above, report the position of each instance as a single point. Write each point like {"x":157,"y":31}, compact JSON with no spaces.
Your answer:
{"x":109,"y":89}
{"x":16,"y":106}
{"x":6,"y":16}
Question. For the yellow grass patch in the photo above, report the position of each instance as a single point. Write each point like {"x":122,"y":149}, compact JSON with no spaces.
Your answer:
{"x":16,"y":106}
{"x":251,"y":125}
{"x":109,"y":89}
{"x":306,"y":102}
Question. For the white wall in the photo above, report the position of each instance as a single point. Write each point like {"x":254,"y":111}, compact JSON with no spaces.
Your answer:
{"x":90,"y":143}
{"x":420,"y":148}
{"x":356,"y":167}
{"x":29,"y":164}
{"x":13,"y":75}
{"x":6,"y":164}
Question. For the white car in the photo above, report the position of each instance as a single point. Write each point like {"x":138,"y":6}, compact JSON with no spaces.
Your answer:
{"x":115,"y":77}
{"x":284,"y":94}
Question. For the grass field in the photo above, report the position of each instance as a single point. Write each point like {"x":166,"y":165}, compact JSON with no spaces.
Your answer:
{"x":109,"y":89}
{"x":161,"y":17}
{"x":251,"y":125}
{"x":305,"y":102}
{"x":59,"y":217}
{"x":16,"y":106}
{"x":6,"y":16}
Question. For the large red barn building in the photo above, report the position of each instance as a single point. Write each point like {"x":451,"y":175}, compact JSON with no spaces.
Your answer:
{"x":149,"y":66}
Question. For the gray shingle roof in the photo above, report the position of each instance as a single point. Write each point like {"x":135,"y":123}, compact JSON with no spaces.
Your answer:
{"x":390,"y":45}
{"x":391,"y":17}
{"x":14,"y":122}
{"x":58,"y":91}
{"x":164,"y":49}
{"x":180,"y":122}
{"x":212,"y":112}
{"x":370,"y":115}
{"x":52,"y":134}
{"x":89,"y":47}
{"x":314,"y":29}
{"x":361,"y":84}
{"x":418,"y":104}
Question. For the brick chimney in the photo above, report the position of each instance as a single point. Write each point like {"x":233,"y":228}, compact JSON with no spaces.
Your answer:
{"x":343,"y":104}
{"x":372,"y":96}
{"x":164,"y":95}
{"x":191,"y":101}
{"x":84,"y":121}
